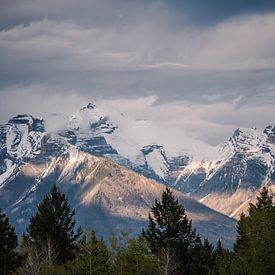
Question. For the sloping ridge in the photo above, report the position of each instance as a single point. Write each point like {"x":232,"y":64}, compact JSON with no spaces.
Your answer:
{"x":105,"y":195}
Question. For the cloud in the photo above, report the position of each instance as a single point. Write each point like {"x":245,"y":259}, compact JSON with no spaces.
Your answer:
{"x":143,"y":57}
{"x":168,"y":122}
{"x":49,"y":46}
{"x":106,"y":13}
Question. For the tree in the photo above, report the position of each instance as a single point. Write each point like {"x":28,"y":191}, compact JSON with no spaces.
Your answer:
{"x":9,"y":258}
{"x":52,"y":226}
{"x":93,"y":256}
{"x":264,"y":202}
{"x":222,"y":261}
{"x":37,"y":256}
{"x":254,"y":250}
{"x":205,"y":258}
{"x":170,"y":236}
{"x":135,"y":258}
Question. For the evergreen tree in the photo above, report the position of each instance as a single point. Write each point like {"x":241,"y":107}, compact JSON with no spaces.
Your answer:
{"x":9,"y":258}
{"x":205,"y":258}
{"x":134,"y":259}
{"x":52,"y":226}
{"x":93,"y":256}
{"x":264,"y":202}
{"x":170,"y":236}
{"x":222,"y":261}
{"x":254,"y":251}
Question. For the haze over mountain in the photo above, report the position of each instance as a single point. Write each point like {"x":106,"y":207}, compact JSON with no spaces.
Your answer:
{"x":240,"y":165}
{"x":225,"y":177}
{"x":105,"y":195}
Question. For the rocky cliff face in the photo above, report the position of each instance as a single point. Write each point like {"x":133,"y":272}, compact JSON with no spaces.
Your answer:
{"x":105,"y":195}
{"x":225,"y":177}
{"x":231,"y":179}
{"x":242,"y":164}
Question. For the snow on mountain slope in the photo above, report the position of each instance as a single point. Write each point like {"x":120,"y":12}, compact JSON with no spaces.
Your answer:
{"x":244,"y":162}
{"x":138,"y":145}
{"x":92,"y":125}
{"x":207,"y":173}
{"x":230,"y":178}
{"x":245,"y":146}
{"x":105,"y":195}
{"x":20,"y":140}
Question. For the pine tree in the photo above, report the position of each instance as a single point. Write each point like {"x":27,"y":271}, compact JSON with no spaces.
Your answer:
{"x":171,"y":237}
{"x":135,"y":258}
{"x":264,"y":202}
{"x":254,"y":251}
{"x":93,"y":256}
{"x":54,"y":224}
{"x":9,"y":258}
{"x":222,"y":261}
{"x":205,"y":258}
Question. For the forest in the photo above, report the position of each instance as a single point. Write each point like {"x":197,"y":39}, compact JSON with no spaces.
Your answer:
{"x":53,"y":244}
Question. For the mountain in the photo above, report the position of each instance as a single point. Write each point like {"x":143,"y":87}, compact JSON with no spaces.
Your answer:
{"x":105,"y":195}
{"x":232,"y":176}
{"x":225,"y":177}
{"x":233,"y":171}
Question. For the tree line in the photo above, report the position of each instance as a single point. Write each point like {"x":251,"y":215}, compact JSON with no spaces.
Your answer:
{"x":169,"y":244}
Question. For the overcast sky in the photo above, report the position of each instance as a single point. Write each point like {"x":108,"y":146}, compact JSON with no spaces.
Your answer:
{"x":206,"y":67}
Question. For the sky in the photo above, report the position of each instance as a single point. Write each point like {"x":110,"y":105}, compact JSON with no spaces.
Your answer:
{"x":205,"y":67}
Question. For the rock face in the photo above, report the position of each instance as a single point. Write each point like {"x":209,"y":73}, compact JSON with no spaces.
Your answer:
{"x":105,"y":195}
{"x":233,"y":177}
{"x":242,"y":164}
{"x":20,"y":140}
{"x":225,"y":177}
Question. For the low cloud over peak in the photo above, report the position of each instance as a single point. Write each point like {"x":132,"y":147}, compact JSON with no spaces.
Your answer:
{"x":223,"y":64}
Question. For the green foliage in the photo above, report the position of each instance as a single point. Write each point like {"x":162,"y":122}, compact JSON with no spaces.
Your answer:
{"x":135,"y":258}
{"x":169,"y":244}
{"x":53,"y":224}
{"x":254,"y":251}
{"x":38,"y":256}
{"x":205,"y":258}
{"x":264,"y":202}
{"x":222,"y":261}
{"x":9,"y":258}
{"x":93,"y":256}
{"x":172,"y":239}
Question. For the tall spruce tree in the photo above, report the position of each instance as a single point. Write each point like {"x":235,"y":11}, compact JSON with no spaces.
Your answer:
{"x":54,"y":224}
{"x":9,"y":258}
{"x":264,"y":202}
{"x":254,"y":251}
{"x":222,"y":261}
{"x":171,"y":237}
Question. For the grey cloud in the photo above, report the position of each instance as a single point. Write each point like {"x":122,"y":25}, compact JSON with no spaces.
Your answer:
{"x":201,"y":54}
{"x":105,"y":13}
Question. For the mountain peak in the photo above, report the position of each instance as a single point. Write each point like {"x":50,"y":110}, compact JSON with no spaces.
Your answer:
{"x":90,"y":105}
{"x":33,"y":123}
{"x":270,"y":132}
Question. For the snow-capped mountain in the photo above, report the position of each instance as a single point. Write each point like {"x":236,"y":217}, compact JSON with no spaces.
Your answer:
{"x":104,"y":194}
{"x":20,"y":140}
{"x":117,"y":137}
{"x":225,"y":177}
{"x":232,"y":175}
{"x":241,"y":165}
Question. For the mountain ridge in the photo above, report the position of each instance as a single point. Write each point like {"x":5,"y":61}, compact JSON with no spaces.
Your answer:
{"x":225,"y":177}
{"x":101,"y":191}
